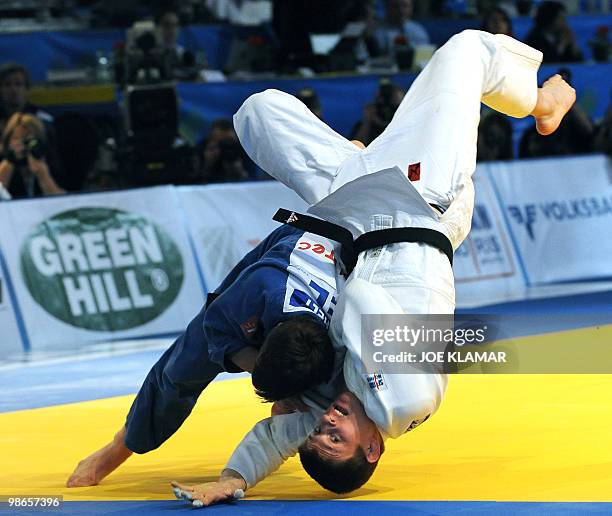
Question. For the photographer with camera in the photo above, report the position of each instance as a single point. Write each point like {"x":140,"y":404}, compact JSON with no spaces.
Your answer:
{"x":222,"y":156}
{"x":377,"y":115}
{"x":24,"y":170}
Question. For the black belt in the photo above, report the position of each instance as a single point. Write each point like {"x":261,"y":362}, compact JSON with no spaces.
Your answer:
{"x":351,"y":248}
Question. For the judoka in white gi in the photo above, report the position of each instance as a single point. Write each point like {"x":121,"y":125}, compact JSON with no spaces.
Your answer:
{"x":340,"y":428}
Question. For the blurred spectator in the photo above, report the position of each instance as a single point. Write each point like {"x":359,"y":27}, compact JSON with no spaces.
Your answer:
{"x":227,"y":10}
{"x":507,"y":6}
{"x":399,"y":24}
{"x":181,"y":62}
{"x":552,"y":35}
{"x":494,"y":138}
{"x":222,"y":156}
{"x":294,"y":20}
{"x":497,"y":21}
{"x":310,"y":98}
{"x":600,"y":44}
{"x":574,"y":136}
{"x":14,"y":86}
{"x":524,"y":7}
{"x":378,"y":114}
{"x":240,"y":12}
{"x":603,"y":139}
{"x":169,"y":25}
{"x":24,"y":170}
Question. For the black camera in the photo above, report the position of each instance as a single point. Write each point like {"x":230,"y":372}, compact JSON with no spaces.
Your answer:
{"x":35,"y":147}
{"x":32,"y":146}
{"x":229,"y":151}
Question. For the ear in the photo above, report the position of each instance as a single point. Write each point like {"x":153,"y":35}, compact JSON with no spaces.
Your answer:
{"x":374,"y":449}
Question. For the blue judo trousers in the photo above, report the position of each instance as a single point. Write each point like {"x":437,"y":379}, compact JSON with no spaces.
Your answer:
{"x":260,"y":292}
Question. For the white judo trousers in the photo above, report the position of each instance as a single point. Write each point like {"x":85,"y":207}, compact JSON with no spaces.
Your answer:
{"x":435,"y":127}
{"x":436,"y":124}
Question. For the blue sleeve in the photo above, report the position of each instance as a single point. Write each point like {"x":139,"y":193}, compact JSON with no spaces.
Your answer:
{"x":246,"y":311}
{"x":253,"y":256}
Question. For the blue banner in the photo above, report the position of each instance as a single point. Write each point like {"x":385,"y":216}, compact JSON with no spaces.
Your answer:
{"x":42,"y":51}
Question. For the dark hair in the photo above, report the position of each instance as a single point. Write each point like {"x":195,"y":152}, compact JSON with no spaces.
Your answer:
{"x":547,"y":13}
{"x":8,"y":69}
{"x":337,"y":476}
{"x":296,"y":355}
{"x":30,"y":122}
{"x":496,"y":10}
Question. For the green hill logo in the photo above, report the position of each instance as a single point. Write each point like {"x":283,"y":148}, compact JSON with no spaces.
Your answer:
{"x":102,"y":269}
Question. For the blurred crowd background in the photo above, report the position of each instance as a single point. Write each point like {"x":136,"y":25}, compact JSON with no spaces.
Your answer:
{"x":112,"y":94}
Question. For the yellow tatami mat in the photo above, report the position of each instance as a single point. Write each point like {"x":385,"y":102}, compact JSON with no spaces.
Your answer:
{"x":496,"y":437}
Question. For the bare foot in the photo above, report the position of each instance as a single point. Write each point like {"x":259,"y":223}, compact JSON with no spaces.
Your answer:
{"x":91,"y":470}
{"x":555,"y":99}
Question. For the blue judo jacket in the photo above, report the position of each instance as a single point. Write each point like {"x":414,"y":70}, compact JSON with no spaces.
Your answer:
{"x":289,"y":272}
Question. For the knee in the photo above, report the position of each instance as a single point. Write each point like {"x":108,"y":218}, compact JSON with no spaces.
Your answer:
{"x":263,"y":100}
{"x":257,"y":107}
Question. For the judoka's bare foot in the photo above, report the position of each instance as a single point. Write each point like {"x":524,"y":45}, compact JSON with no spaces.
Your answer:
{"x":555,"y":99}
{"x":91,"y":470}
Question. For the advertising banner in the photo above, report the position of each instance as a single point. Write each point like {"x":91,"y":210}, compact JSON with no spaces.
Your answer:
{"x":227,"y":221}
{"x":559,"y":214}
{"x":485,"y":266}
{"x":100,"y":266}
{"x":75,"y":270}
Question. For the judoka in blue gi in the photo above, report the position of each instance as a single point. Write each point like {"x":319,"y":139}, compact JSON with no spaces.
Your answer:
{"x":269,"y":317}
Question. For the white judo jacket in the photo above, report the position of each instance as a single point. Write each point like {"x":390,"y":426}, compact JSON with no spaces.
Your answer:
{"x":395,"y":279}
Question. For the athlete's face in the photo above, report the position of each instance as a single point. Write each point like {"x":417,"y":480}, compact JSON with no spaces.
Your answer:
{"x":342,"y":428}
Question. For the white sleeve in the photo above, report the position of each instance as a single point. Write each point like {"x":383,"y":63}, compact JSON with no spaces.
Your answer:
{"x":397,"y":403}
{"x":457,"y":220}
{"x":406,"y":401}
{"x":270,"y":443}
